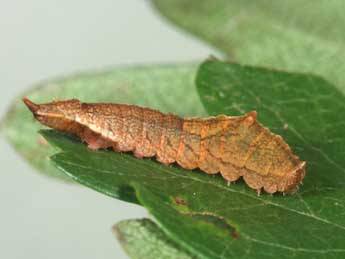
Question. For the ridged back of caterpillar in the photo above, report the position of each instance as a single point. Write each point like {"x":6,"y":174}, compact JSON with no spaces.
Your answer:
{"x":236,"y":146}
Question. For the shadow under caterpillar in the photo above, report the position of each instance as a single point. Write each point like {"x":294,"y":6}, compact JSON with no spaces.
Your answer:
{"x":232,"y":146}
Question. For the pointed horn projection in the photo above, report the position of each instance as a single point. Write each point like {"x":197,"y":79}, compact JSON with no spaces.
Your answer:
{"x":32,"y":106}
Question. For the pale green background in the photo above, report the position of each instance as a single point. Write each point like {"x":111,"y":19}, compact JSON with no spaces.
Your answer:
{"x":40,"y":217}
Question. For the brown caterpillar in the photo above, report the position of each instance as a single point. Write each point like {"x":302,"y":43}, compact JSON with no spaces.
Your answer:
{"x":234,"y":146}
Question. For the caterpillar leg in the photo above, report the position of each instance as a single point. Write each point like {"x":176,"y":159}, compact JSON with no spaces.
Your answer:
{"x":97,"y":144}
{"x":252,"y":179}
{"x":138,"y":155}
{"x":95,"y":141}
{"x":165,"y":161}
{"x":270,"y":188}
{"x":209,"y":165}
{"x":229,"y":172}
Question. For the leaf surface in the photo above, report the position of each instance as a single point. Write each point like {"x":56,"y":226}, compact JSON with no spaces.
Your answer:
{"x":299,"y":36}
{"x":213,"y":220}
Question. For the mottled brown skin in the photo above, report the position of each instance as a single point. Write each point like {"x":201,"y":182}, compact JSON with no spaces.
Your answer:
{"x":234,"y":146}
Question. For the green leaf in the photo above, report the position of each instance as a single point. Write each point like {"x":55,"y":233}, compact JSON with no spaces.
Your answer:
{"x":210,"y":219}
{"x":143,"y":239}
{"x":294,"y":35}
{"x":168,"y":88}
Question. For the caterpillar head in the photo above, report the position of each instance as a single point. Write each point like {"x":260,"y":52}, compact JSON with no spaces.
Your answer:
{"x":57,"y":114}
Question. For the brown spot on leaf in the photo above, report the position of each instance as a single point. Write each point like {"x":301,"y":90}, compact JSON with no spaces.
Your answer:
{"x":235,"y":235}
{"x":179,"y":201}
{"x":218,"y":221}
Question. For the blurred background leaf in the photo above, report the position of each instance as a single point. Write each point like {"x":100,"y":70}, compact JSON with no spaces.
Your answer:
{"x":143,"y":239}
{"x":300,"y":36}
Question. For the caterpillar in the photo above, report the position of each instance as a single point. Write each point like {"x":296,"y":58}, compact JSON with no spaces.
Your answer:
{"x":234,"y":146}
